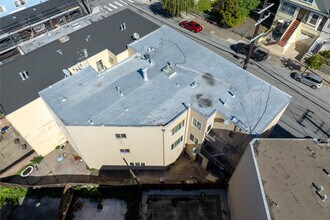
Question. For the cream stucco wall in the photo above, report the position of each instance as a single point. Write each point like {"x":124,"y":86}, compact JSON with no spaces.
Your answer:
{"x":245,"y":190}
{"x":151,"y":145}
{"x":108,"y":60}
{"x":37,"y":126}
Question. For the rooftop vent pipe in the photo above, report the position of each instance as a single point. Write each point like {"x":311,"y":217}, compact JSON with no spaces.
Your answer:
{"x":327,"y":172}
{"x":145,"y":74}
{"x":318,"y":188}
{"x":322,"y":197}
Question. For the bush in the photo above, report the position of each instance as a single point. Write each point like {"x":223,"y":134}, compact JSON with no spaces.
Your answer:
{"x":325,"y":54}
{"x":204,"y":5}
{"x":234,"y":12}
{"x":11,"y":195}
{"x":37,"y":159}
{"x":315,"y":61}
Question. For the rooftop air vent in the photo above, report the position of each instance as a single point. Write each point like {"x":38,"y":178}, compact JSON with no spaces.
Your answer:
{"x":64,"y":39}
{"x":322,"y":197}
{"x":136,"y":36}
{"x":327,"y":171}
{"x":168,"y":71}
{"x":223,"y":102}
{"x":24,"y":75}
{"x":233,"y":94}
{"x":145,"y":74}
{"x":193,"y":84}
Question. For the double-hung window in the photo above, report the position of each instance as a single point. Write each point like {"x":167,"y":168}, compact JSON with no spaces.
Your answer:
{"x":177,"y":127}
{"x":288,"y":8}
{"x":19,"y":3}
{"x":176,"y":143}
{"x":197,"y":124}
{"x":313,"y":19}
{"x":121,"y":136}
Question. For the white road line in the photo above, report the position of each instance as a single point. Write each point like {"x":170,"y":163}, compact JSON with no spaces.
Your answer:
{"x":119,"y":4}
{"x":123,"y":2}
{"x":107,"y":8}
{"x":113,"y":6}
{"x":131,"y":1}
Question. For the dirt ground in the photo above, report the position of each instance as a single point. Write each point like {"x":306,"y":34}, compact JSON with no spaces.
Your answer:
{"x":112,"y":209}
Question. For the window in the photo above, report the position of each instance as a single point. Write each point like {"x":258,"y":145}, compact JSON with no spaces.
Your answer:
{"x":99,"y":65}
{"x":197,"y":124}
{"x":178,"y":127}
{"x":231,"y":134}
{"x":19,"y":3}
{"x":125,"y":151}
{"x":137,"y":164}
{"x":313,"y":18}
{"x":288,"y":8}
{"x":209,"y":128}
{"x":176,"y":143}
{"x":143,"y":164}
{"x":307,"y":1}
{"x":120,"y":136}
{"x":131,"y":164}
{"x":193,"y":139}
{"x":2,"y":8}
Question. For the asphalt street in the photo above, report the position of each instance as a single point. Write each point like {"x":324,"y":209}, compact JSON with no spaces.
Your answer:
{"x":308,"y":114}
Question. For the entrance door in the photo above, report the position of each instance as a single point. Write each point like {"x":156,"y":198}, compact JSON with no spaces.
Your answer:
{"x":301,"y":14}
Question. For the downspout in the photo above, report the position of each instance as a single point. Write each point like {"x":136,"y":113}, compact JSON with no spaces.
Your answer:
{"x":163,"y":130}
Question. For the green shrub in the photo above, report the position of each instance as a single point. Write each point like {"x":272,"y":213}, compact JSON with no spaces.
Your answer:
{"x":11,"y":195}
{"x":37,"y":159}
{"x":204,"y":5}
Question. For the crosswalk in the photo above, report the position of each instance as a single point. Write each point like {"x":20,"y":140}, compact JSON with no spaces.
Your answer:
{"x":117,"y":5}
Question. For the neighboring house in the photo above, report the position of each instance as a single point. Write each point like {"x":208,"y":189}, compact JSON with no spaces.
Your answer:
{"x":281,"y":179}
{"x":11,"y":6}
{"x":300,"y":22}
{"x":162,"y":101}
{"x":24,"y":25}
{"x":22,"y":78}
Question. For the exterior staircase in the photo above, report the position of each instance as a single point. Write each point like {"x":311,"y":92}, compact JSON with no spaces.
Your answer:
{"x":288,"y":33}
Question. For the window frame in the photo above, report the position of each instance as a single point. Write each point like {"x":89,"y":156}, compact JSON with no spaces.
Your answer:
{"x":194,"y":139}
{"x":125,"y":151}
{"x":99,"y":63}
{"x":178,"y":127}
{"x":177,"y":142}
{"x":121,"y":136}
{"x":307,"y":1}
{"x":310,"y":17}
{"x":209,"y":128}
{"x":287,"y":7}
{"x":200,"y":127}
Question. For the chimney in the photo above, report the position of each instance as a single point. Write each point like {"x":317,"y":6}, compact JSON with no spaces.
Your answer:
{"x":145,"y":74}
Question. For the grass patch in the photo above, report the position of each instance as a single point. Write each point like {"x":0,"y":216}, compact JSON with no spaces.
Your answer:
{"x":11,"y":195}
{"x":37,"y":159}
{"x":57,"y":147}
{"x":23,"y":168}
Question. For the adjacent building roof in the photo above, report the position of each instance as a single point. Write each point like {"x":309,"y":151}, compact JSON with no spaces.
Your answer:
{"x":181,"y":73}
{"x":34,"y":14}
{"x":291,"y":171}
{"x":45,"y":65}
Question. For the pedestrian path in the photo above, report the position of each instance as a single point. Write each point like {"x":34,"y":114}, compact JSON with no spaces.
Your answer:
{"x":117,"y":5}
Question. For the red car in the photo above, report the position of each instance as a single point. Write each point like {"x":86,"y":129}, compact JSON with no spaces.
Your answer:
{"x":191,"y":26}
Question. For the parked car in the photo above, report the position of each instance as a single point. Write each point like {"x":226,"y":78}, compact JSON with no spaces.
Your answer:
{"x":191,"y":26}
{"x":4,"y":129}
{"x":258,"y":53}
{"x":309,"y":79}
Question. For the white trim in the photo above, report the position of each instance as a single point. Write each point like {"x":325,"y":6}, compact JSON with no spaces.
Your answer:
{"x":261,"y":187}
{"x":319,"y":19}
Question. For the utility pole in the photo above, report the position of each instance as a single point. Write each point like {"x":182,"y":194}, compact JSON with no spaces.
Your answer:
{"x":255,"y":36}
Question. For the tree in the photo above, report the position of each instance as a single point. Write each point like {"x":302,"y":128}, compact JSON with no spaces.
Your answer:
{"x":234,"y":12}
{"x":314,"y":62}
{"x":175,"y":7}
{"x":204,"y":5}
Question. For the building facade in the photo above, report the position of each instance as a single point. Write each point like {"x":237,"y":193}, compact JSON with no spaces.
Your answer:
{"x":161,"y":101}
{"x":300,"y":22}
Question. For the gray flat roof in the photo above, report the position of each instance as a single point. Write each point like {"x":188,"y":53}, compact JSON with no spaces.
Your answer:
{"x":45,"y":64}
{"x":92,"y":96}
{"x":34,"y":14}
{"x":288,"y":168}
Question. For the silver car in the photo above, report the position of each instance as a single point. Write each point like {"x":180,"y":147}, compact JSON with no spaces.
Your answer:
{"x":309,"y":79}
